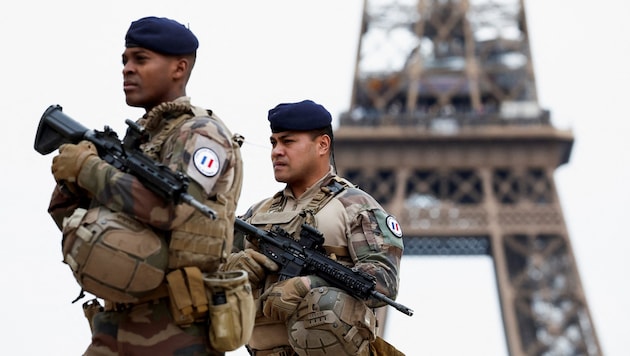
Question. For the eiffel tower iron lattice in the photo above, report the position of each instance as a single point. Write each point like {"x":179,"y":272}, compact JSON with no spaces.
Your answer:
{"x":445,"y":130}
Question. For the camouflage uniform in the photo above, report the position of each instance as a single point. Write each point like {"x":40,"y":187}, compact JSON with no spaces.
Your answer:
{"x":355,"y":231}
{"x":177,"y":131}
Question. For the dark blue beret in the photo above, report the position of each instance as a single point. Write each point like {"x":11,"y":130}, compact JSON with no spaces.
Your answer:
{"x":303,"y":116}
{"x":161,"y":35}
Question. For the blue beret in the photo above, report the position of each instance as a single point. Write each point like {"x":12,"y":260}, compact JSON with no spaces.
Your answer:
{"x":161,"y":35}
{"x":303,"y":116}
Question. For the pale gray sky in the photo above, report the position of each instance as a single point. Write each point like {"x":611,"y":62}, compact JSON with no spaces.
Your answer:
{"x":256,"y":54}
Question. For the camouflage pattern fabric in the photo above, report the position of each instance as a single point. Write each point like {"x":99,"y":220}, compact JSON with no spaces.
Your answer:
{"x":149,"y":329}
{"x":123,"y":192}
{"x":354,"y":226}
{"x":353,"y":220}
{"x":146,"y":329}
{"x":372,"y":243}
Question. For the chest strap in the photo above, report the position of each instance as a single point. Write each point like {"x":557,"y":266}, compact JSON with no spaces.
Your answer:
{"x":328,"y":191}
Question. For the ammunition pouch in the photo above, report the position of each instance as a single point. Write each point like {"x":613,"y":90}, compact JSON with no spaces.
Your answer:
{"x":112,"y":255}
{"x":188,"y":299}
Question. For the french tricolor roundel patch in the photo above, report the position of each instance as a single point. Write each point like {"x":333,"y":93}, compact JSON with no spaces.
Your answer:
{"x":206,"y":161}
{"x":394,"y":226}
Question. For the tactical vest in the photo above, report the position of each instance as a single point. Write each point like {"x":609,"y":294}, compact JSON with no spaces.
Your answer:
{"x":355,"y":337}
{"x":119,"y":259}
{"x":292,"y":221}
{"x":200,"y":241}
{"x":271,"y":214}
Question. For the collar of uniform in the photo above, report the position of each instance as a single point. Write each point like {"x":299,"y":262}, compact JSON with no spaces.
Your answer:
{"x":313,"y":189}
{"x":183,"y":99}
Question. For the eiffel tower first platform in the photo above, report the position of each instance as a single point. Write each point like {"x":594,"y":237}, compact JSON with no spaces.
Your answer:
{"x":445,"y":130}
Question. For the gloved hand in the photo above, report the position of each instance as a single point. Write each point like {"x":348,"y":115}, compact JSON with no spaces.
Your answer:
{"x":251,"y":261}
{"x":70,"y":188}
{"x":67,"y":165}
{"x":282,"y":300}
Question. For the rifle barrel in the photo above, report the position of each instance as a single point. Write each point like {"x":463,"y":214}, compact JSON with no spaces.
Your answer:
{"x":206,"y":210}
{"x":398,"y":306}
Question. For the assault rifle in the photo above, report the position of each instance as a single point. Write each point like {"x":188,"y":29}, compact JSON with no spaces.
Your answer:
{"x":56,"y":128}
{"x":307,"y":256}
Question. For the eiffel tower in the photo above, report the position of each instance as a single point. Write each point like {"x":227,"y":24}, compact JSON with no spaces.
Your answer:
{"x":445,"y":130}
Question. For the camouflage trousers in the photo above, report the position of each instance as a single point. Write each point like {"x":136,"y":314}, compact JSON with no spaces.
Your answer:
{"x":146,"y":329}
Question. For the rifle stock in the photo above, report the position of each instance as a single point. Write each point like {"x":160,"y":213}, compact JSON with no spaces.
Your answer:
{"x":56,"y":128}
{"x":306,"y":256}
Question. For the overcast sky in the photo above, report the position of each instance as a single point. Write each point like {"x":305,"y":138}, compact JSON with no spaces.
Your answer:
{"x":256,"y":54}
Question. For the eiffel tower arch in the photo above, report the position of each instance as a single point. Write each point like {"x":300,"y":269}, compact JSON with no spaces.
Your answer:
{"x":445,"y":129}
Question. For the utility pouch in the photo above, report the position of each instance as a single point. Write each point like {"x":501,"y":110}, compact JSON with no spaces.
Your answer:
{"x":380,"y":347}
{"x":232,"y":309}
{"x":188,"y":299}
{"x":112,"y":255}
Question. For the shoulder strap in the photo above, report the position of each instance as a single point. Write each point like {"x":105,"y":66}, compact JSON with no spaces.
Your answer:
{"x":328,"y":191}
{"x":335,"y":186}
{"x":276,"y":203}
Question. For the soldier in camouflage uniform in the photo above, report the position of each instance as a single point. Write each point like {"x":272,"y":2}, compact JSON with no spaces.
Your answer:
{"x":159,"y":56}
{"x":303,"y":315}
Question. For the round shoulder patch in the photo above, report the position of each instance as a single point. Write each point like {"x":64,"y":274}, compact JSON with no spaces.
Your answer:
{"x":206,"y":161}
{"x":394,"y":226}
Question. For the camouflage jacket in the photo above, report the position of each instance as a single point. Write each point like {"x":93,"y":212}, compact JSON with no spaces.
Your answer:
{"x":184,"y":138}
{"x":357,"y":230}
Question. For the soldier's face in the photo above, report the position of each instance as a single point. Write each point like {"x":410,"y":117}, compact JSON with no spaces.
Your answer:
{"x":294,"y":156}
{"x":148,"y":77}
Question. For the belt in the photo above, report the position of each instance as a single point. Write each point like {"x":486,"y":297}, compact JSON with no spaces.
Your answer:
{"x":161,"y":292}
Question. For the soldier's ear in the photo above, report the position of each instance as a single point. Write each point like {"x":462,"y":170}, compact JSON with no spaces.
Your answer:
{"x":323,"y":142}
{"x":181,"y":67}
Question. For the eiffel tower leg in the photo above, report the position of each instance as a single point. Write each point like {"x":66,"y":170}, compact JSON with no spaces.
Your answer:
{"x":543,"y":305}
